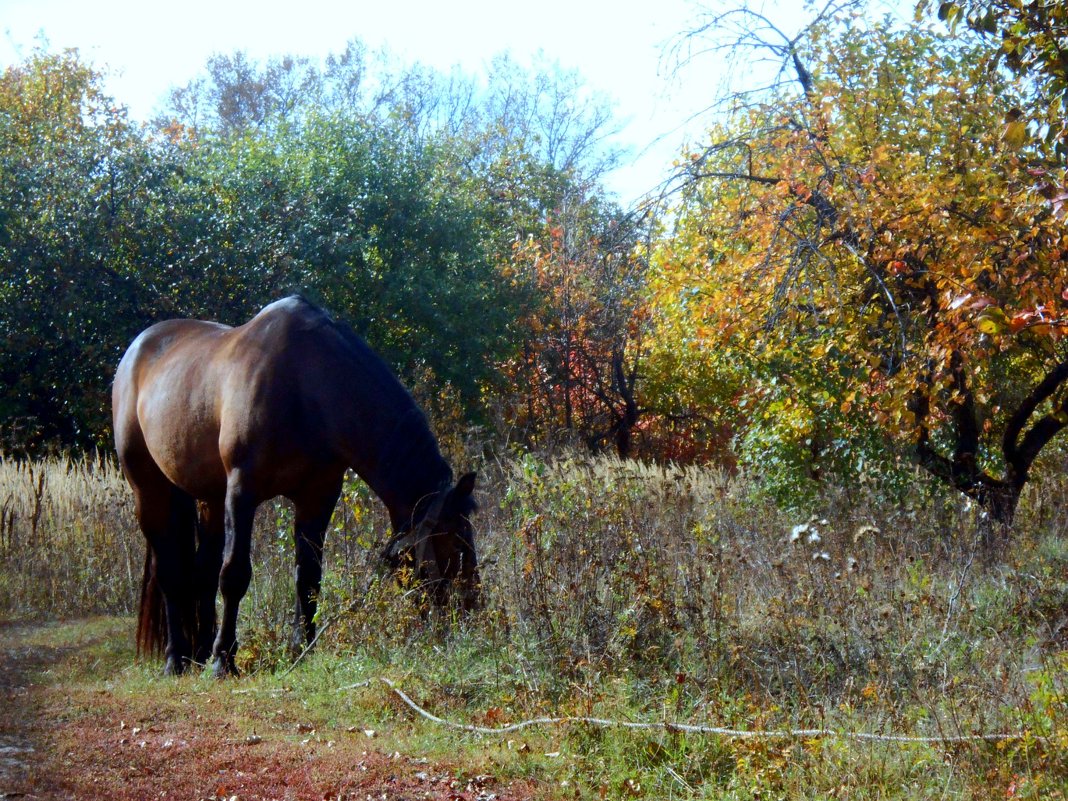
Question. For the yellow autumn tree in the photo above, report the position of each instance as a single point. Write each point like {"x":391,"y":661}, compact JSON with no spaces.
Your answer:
{"x":871,"y":249}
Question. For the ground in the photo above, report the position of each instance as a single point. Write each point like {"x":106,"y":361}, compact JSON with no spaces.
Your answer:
{"x":65,"y":733}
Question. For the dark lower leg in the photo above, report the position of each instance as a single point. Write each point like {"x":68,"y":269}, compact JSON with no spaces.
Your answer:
{"x":309,"y":575}
{"x":170,"y":563}
{"x":313,"y":511}
{"x":234,"y":577}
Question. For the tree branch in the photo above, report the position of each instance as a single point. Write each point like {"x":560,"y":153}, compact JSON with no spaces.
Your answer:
{"x":737,"y":176}
{"x":1021,"y":454}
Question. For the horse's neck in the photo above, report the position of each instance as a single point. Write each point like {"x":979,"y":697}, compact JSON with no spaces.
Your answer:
{"x":380,"y":431}
{"x":402,"y":500}
{"x":404,"y":466}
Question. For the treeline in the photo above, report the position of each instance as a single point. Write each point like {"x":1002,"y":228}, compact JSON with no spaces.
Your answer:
{"x":403,"y":200}
{"x":863,"y":267}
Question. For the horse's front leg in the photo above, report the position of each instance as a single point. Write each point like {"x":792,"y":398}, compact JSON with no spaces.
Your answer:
{"x":236,"y":571}
{"x":309,"y":576}
{"x":313,"y":511}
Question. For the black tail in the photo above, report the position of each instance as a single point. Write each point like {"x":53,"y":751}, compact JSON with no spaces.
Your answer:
{"x":151,"y":634}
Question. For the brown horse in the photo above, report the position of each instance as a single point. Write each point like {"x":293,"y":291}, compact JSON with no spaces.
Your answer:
{"x":210,"y":421}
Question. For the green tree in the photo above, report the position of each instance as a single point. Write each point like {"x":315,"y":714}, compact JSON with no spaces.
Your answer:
{"x":393,"y":198}
{"x":1031,"y":40}
{"x":68,"y":198}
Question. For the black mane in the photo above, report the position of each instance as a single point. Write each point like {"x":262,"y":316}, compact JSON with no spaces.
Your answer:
{"x":412,"y":465}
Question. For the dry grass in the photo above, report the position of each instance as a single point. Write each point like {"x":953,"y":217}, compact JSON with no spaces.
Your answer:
{"x":68,"y":539}
{"x":632,"y":591}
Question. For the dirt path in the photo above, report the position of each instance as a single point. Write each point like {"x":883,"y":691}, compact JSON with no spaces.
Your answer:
{"x":66,"y":736}
{"x":20,"y":727}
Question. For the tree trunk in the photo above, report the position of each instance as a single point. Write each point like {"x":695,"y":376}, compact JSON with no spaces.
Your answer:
{"x":628,"y":418}
{"x":1000,"y":503}
{"x":1023,"y":439}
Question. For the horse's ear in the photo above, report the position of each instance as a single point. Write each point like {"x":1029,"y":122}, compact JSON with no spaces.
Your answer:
{"x":466,"y":485}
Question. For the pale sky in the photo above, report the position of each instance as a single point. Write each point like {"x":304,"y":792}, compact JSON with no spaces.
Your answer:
{"x":618,"y":47}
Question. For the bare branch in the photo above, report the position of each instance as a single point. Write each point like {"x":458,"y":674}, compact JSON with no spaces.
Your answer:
{"x":745,"y":29}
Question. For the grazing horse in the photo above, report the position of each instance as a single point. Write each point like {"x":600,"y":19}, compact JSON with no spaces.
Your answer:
{"x":210,"y":421}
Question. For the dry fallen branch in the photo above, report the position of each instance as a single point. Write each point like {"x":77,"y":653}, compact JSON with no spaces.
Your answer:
{"x":691,"y":728}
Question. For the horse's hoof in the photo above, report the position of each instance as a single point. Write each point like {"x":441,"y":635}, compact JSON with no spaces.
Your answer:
{"x":300,"y":642}
{"x":173,"y":667}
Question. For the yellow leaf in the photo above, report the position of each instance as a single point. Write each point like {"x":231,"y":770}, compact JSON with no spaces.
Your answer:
{"x":1015,"y":134}
{"x":991,"y":320}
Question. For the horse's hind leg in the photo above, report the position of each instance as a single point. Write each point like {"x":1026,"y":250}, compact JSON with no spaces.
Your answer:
{"x":167,"y":517}
{"x":236,"y":571}
{"x":210,"y":538}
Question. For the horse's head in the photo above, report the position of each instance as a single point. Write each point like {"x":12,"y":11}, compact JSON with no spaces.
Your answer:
{"x":440,"y":547}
